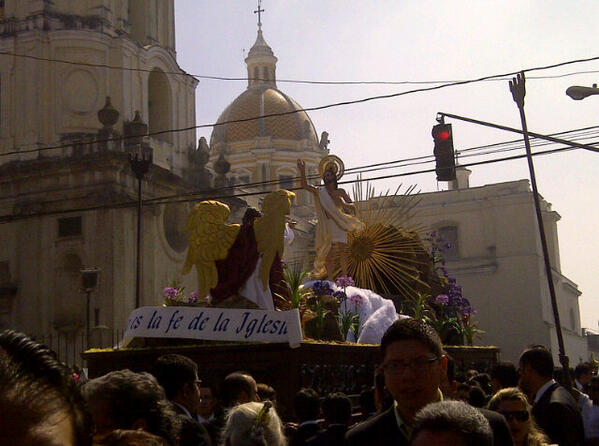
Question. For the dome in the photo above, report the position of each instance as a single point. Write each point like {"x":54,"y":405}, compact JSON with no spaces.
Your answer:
{"x":260,"y":100}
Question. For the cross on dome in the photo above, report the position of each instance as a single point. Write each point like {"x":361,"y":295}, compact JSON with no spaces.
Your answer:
{"x":258,"y":11}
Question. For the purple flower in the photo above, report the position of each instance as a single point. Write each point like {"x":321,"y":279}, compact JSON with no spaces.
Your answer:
{"x":442,"y":300}
{"x":344,"y":281}
{"x":322,"y":288}
{"x":194,"y":297}
{"x":170,"y":292}
{"x":340,"y":295}
{"x":356,"y":299}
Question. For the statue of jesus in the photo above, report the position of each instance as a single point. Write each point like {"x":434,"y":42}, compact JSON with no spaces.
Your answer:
{"x":333,"y":223}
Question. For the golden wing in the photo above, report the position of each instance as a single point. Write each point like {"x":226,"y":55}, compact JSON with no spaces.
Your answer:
{"x":209,"y":240}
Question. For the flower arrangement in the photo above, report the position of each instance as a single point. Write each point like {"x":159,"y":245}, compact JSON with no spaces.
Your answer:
{"x":349,"y":314}
{"x":449,"y":312}
{"x":174,"y":295}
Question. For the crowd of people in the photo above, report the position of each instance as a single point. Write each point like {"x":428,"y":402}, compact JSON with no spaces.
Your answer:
{"x":415,"y":400}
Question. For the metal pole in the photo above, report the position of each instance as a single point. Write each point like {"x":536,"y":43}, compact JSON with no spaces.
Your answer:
{"x":138,"y":249}
{"x":518,"y":89}
{"x":88,"y":292}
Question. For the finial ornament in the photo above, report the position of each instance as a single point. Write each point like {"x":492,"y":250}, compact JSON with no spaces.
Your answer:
{"x":258,"y":11}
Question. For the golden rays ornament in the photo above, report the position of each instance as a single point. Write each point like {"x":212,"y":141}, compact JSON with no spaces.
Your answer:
{"x":386,"y":256}
{"x":331,"y":162}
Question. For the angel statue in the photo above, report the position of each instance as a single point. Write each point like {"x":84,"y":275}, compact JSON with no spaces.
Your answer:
{"x":235,"y":260}
{"x":333,"y":223}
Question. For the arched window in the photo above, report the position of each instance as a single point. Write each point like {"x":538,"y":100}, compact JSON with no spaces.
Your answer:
{"x":449,"y":234}
{"x":159,"y":105}
{"x":265,"y":70}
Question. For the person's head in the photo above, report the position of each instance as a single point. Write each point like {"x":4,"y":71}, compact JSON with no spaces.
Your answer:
{"x":482,"y":380}
{"x":238,"y":388}
{"x":451,"y":423}
{"x":593,"y":389}
{"x":251,"y":214}
{"x":266,"y":393}
{"x":503,"y":374}
{"x":536,"y":368}
{"x":253,"y":424}
{"x":477,"y":397}
{"x":329,"y":177}
{"x":208,"y":401}
{"x":39,"y":401}
{"x":513,"y":405}
{"x":414,"y":363}
{"x":367,"y":402}
{"x":306,"y":404}
{"x":127,"y":400}
{"x":336,"y":408}
{"x":583,"y":373}
{"x":123,"y":437}
{"x":178,"y":375}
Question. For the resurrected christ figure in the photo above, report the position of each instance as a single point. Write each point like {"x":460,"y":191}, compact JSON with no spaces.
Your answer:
{"x":334,"y":223}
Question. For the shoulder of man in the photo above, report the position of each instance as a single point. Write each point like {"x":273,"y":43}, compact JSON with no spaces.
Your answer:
{"x":374,"y":430}
{"x":192,"y":432}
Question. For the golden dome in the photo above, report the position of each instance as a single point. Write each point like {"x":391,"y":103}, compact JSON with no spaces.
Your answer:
{"x":263,"y":100}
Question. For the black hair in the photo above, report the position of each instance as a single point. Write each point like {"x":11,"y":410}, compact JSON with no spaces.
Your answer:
{"x":173,"y":371}
{"x":306,"y":404}
{"x":408,"y":328}
{"x":250,"y":214}
{"x":506,"y":374}
{"x":539,"y":359}
{"x":266,"y":392}
{"x":130,"y":396}
{"x":36,"y":387}
{"x":336,"y":408}
{"x":582,"y":369}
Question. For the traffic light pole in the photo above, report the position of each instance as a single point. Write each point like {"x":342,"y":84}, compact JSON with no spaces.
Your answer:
{"x":518,"y":89}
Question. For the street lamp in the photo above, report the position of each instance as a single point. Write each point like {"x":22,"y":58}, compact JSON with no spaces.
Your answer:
{"x":89,"y":281}
{"x":579,"y":93}
{"x":140,"y":164}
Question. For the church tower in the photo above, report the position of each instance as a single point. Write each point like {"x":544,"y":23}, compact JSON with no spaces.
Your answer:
{"x":75,"y":76}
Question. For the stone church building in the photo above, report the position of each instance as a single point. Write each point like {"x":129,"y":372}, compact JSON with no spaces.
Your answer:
{"x":68,"y":194}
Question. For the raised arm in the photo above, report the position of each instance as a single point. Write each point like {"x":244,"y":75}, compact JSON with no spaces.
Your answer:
{"x":301,"y":166}
{"x":349,"y":204}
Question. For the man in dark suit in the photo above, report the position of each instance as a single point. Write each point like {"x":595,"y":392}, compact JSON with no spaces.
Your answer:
{"x":414,"y":365}
{"x":554,"y":409}
{"x":178,"y":375}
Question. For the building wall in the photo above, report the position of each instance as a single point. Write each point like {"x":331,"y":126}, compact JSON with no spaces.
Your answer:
{"x":500,"y":266}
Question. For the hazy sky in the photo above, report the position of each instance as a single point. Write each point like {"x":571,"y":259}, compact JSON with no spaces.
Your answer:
{"x":423,"y":40}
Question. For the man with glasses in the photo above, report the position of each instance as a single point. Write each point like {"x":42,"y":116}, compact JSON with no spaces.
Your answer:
{"x":413,"y":364}
{"x":178,"y":375}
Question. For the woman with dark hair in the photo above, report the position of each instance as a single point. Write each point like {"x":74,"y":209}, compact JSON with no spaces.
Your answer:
{"x":514,"y":406}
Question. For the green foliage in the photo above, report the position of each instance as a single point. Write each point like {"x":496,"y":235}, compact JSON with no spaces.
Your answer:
{"x":294,"y":279}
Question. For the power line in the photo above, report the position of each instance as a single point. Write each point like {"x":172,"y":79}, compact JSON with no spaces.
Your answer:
{"x":132,"y":203}
{"x":291,"y":81}
{"x":321,"y":107}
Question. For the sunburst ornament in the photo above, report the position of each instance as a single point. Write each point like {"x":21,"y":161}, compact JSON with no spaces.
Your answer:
{"x":387,"y":255}
{"x":331,"y":162}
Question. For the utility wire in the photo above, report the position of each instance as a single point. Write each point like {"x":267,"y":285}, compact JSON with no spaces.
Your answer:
{"x":484,"y":150}
{"x":208,"y":194}
{"x":321,"y":107}
{"x":292,"y":81}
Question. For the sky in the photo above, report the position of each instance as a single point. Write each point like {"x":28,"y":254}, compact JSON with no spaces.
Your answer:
{"x":423,"y":40}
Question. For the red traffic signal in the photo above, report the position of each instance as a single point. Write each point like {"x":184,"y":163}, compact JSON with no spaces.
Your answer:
{"x":443,"y":151}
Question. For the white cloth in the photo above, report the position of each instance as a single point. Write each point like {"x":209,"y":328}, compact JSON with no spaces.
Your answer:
{"x":333,"y":226}
{"x":288,"y":236}
{"x":254,"y":291}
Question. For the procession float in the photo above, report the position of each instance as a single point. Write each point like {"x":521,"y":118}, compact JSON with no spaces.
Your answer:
{"x":292,"y":328}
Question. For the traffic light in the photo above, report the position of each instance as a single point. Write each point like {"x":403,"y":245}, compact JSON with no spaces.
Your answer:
{"x":443,"y":151}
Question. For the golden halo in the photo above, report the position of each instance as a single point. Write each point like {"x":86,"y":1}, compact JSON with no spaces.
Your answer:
{"x":331,"y":162}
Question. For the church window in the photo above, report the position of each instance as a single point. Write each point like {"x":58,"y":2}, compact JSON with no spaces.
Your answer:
{"x":244,"y":179}
{"x":256,"y":74}
{"x":173,"y":220}
{"x":573,"y":319}
{"x":159,"y":105}
{"x":286,"y":182}
{"x":449,"y":234}
{"x":69,"y":227}
{"x":265,"y":73}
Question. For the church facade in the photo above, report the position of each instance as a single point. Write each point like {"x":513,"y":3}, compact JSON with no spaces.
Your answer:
{"x":67,"y":191}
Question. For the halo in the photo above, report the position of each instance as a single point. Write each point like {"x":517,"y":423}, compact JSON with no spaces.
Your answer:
{"x":331,"y":162}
